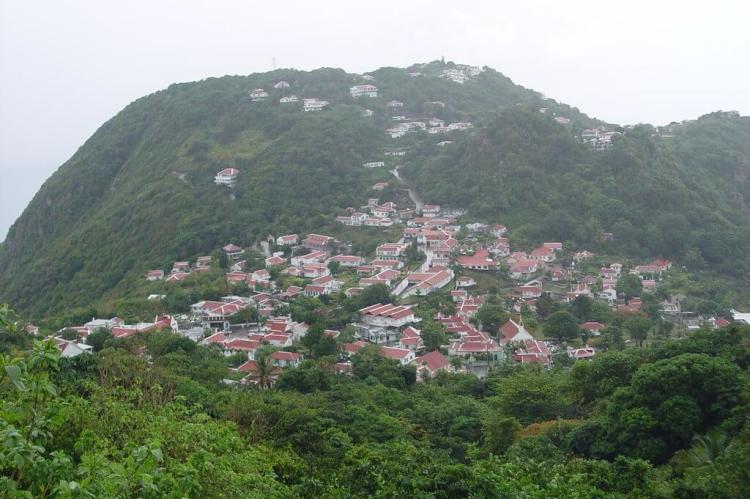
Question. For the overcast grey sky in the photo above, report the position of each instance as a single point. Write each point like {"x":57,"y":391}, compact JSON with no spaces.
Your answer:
{"x":67,"y":66}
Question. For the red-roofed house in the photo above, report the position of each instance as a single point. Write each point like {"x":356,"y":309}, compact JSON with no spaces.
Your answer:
{"x":402,"y":355}
{"x":533,"y":352}
{"x":315,"y":270}
{"x":523,"y":268}
{"x":286,"y":359}
{"x":390,"y":250}
{"x":579,"y":289}
{"x":312,"y":257}
{"x":512,"y":332}
{"x":720,"y":322}
{"x":410,"y":339}
{"x":528,"y":292}
{"x":543,"y":253}
{"x":313,"y":290}
{"x":472,"y":348}
{"x":347,"y":260}
{"x":478,"y":261}
{"x":352,"y":348}
{"x":232,"y":250}
{"x":430,"y":364}
{"x":272,"y":261}
{"x":177,"y":276}
{"x":662,"y":264}
{"x":581,"y":353}
{"x":288,"y":240}
{"x":155,"y":275}
{"x":317,"y":242}
{"x":557,"y":274}
{"x":387,"y":315}
{"x":240,"y":345}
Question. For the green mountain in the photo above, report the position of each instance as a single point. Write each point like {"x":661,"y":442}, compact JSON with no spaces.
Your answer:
{"x":678,"y":192}
{"x":140,"y":193}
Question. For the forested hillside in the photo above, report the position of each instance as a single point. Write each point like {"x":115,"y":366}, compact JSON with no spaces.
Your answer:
{"x":139,"y":193}
{"x":679,"y":193}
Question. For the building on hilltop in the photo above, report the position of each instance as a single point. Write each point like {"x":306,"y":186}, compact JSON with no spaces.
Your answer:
{"x":257,"y":95}
{"x":227,"y":176}
{"x":358,"y":91}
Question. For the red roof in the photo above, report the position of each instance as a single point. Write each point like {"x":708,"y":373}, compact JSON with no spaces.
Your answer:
{"x":395,"y":353}
{"x":275,"y":260}
{"x":592,"y":326}
{"x":231,"y":248}
{"x":287,"y":356}
{"x":243,"y":345}
{"x":248,"y":366}
{"x":354,"y":347}
{"x":433,"y":360}
{"x":317,"y":239}
{"x":229,"y":172}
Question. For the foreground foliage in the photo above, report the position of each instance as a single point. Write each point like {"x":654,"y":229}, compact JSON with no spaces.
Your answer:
{"x":669,"y":421}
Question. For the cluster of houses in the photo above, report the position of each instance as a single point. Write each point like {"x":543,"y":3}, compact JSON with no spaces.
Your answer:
{"x":310,"y":104}
{"x":599,"y":138}
{"x":406,"y":125}
{"x":460,"y":74}
{"x":72,"y":347}
{"x":375,"y":214}
{"x":393,"y":328}
{"x":181,"y":270}
{"x":433,"y":232}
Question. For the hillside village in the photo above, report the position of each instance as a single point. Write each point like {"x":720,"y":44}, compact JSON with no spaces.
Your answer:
{"x":435,"y":254}
{"x":421,"y":250}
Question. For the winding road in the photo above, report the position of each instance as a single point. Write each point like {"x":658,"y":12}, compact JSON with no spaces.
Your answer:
{"x":412,"y":193}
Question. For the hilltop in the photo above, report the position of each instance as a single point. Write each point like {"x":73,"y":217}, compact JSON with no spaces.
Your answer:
{"x":140,"y":193}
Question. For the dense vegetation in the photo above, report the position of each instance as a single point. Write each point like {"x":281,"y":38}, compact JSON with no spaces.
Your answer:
{"x":678,"y":197}
{"x":666,"y":421}
{"x":139,"y":193}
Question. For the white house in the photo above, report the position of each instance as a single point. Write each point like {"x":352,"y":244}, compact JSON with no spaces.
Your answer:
{"x":232,"y":250}
{"x":281,"y":84}
{"x":363,"y":90}
{"x":288,"y":240}
{"x":387,"y":315}
{"x":313,"y":105}
{"x":155,"y":275}
{"x":374,"y":164}
{"x":227,"y":176}
{"x":257,"y":94}
{"x":402,"y":355}
{"x":288,"y":99}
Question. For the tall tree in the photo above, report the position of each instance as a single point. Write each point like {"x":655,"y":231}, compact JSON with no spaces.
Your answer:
{"x":638,"y":328}
{"x":562,"y":326}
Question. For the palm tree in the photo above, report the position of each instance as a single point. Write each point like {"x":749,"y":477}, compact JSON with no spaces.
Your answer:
{"x":707,"y":448}
{"x":264,"y":374}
